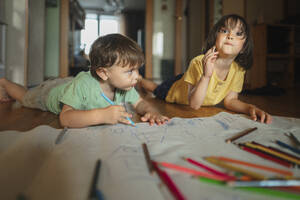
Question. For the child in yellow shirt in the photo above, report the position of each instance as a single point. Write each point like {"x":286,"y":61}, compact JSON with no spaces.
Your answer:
{"x":216,"y":75}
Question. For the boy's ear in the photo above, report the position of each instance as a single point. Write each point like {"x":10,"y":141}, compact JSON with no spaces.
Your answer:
{"x":102,"y":73}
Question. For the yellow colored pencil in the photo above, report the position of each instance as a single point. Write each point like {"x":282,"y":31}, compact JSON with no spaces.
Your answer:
{"x":222,"y":164}
{"x":297,"y":161}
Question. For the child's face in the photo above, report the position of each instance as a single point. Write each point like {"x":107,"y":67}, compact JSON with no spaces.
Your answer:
{"x":230,"y":40}
{"x":123,"y":78}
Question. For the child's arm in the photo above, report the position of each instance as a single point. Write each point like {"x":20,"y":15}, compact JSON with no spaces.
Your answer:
{"x":149,"y":114}
{"x":197,"y":93}
{"x":231,"y":102}
{"x":69,"y":117}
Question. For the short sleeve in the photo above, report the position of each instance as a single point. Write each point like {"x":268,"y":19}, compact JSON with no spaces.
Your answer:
{"x":75,"y":95}
{"x":195,"y":71}
{"x":238,"y":81}
{"x":132,"y":96}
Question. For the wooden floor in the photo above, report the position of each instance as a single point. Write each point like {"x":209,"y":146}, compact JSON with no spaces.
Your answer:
{"x":15,"y":117}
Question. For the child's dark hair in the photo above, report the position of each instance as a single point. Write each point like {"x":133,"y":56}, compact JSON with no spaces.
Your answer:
{"x":245,"y":57}
{"x":113,"y":49}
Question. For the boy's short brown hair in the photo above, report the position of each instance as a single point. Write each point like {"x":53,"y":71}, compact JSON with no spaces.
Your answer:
{"x":113,"y":49}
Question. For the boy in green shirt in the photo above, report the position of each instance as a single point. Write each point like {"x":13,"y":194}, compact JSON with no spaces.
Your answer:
{"x":92,"y":97}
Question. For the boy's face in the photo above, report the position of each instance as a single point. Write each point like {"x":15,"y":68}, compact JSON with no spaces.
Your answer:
{"x":230,"y":40}
{"x":123,"y":78}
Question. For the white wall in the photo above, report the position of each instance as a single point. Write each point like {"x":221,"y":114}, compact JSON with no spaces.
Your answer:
{"x":163,"y":34}
{"x":15,"y":45}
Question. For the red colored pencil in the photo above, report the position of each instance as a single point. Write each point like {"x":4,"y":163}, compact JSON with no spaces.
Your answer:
{"x":266,"y":156}
{"x":168,"y":181}
{"x":216,"y":172}
{"x":275,"y":149}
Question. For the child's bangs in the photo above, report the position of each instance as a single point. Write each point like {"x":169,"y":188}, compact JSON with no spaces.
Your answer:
{"x":130,"y":59}
{"x":232,"y":22}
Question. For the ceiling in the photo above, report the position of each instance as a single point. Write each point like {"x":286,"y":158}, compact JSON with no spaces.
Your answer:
{"x":103,"y":5}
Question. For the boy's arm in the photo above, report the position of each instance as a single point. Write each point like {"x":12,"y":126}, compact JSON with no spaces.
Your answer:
{"x":231,"y":102}
{"x":149,"y":113}
{"x":70,"y":117}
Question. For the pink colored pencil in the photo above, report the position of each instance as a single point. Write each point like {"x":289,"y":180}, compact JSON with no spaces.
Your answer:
{"x":168,"y":181}
{"x":216,"y":172}
{"x":193,"y":171}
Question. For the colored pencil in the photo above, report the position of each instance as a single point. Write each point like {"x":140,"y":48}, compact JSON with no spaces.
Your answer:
{"x":222,"y":164}
{"x":262,"y":167}
{"x":147,"y":158}
{"x":112,"y":103}
{"x":277,"y":150}
{"x":207,"y":168}
{"x":273,"y":155}
{"x":61,"y":135}
{"x":265,"y":156}
{"x":239,"y":135}
{"x":94,"y":192}
{"x":284,"y":145}
{"x":258,"y":190}
{"x":192,"y":171}
{"x":264,"y":183}
{"x":168,"y":182}
{"x":294,"y":140}
{"x":270,"y":151}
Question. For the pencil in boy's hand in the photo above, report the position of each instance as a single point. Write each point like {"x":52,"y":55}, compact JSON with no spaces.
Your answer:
{"x":112,"y":103}
{"x":239,"y":135}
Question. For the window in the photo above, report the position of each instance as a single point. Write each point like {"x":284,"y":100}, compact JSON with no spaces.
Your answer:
{"x":98,"y":25}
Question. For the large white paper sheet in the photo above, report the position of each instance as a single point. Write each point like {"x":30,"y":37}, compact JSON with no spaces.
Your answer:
{"x":32,"y":165}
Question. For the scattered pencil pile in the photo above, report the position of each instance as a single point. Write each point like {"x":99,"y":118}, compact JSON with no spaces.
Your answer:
{"x":239,"y":174}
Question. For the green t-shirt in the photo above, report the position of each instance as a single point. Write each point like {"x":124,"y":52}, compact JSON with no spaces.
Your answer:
{"x":84,"y":93}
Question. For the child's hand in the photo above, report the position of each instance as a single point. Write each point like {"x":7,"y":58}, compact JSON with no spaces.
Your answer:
{"x":256,"y":113}
{"x":208,"y":62}
{"x":154,"y":117}
{"x":117,"y":114}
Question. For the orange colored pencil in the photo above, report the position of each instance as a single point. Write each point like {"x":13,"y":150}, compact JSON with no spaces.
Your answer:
{"x":193,"y":171}
{"x":283,"y":172}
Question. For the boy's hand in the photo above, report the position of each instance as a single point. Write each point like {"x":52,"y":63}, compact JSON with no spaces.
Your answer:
{"x":208,"y":62}
{"x":256,"y":113}
{"x":117,"y":114}
{"x":154,"y":117}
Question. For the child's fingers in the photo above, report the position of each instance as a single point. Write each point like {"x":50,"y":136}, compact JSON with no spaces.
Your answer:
{"x":262,"y":117}
{"x":124,"y":121}
{"x":253,"y":114}
{"x":268,"y":118}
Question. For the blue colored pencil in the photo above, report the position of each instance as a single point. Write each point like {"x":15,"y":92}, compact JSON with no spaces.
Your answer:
{"x":96,"y":193}
{"x":112,"y":103}
{"x":284,"y":145}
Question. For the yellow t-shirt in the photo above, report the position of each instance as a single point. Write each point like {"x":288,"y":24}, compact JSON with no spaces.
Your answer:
{"x":217,"y":89}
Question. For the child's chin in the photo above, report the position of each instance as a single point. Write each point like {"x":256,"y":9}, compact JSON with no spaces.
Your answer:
{"x":126,"y":89}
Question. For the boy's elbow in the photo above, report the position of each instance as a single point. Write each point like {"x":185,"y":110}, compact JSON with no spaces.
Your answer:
{"x":63,"y":121}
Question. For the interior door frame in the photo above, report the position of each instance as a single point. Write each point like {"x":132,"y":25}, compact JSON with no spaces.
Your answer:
{"x":178,"y":38}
